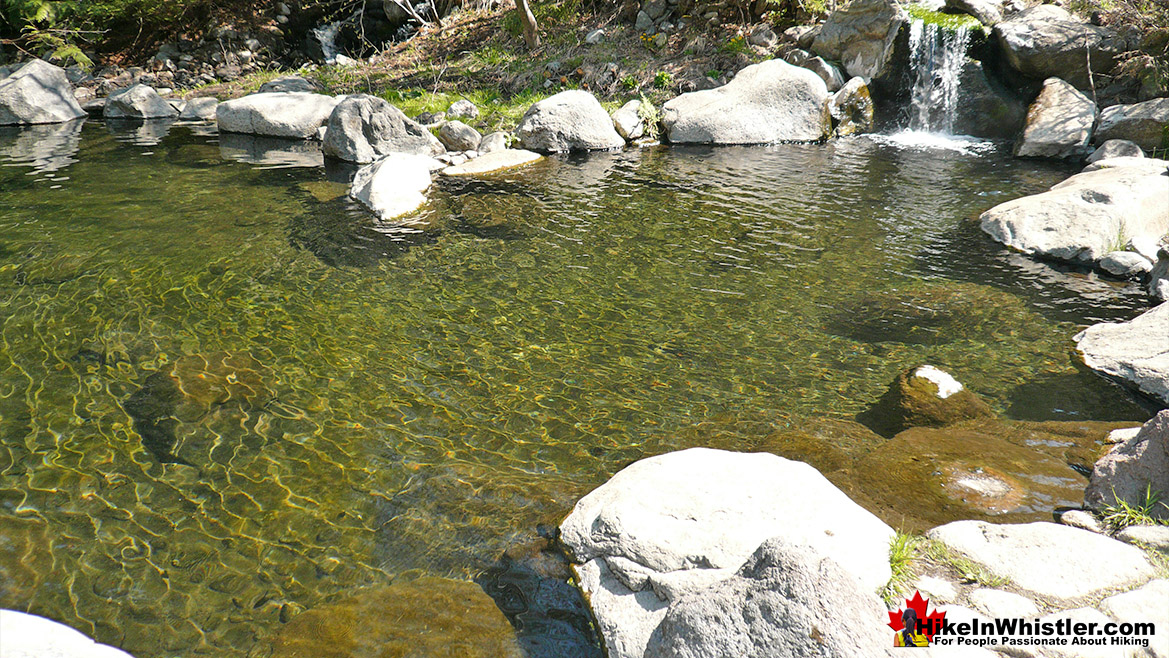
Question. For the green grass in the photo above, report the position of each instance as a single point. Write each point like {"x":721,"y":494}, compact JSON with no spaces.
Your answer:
{"x":497,"y":112}
{"x":946,"y":21}
{"x":904,"y":551}
{"x":1121,"y":514}
{"x":909,"y":553}
{"x":969,"y":571}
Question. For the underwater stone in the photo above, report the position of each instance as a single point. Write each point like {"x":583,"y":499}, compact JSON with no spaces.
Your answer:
{"x":923,"y":397}
{"x":429,"y":616}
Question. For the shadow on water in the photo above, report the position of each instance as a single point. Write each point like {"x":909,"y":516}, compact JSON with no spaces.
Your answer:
{"x":342,"y":233}
{"x":548,"y":613}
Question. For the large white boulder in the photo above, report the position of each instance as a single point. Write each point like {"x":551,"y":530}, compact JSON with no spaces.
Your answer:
{"x":1088,"y":564}
{"x":671,"y":524}
{"x":1088,"y":215}
{"x":138,"y":102}
{"x":1059,"y":123}
{"x":38,"y":93}
{"x":787,"y":600}
{"x":1134,"y":352}
{"x":28,"y":636}
{"x":768,"y":102}
{"x":1046,"y":41}
{"x":294,"y":115}
{"x":395,"y":185}
{"x":1143,"y":123}
{"x":572,"y":120}
{"x":861,"y":35}
{"x":363,"y":128}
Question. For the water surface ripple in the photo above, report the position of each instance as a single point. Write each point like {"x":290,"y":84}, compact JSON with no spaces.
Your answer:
{"x":227,"y":395}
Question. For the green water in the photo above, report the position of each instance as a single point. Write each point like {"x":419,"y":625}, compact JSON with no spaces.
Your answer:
{"x":358,"y":402}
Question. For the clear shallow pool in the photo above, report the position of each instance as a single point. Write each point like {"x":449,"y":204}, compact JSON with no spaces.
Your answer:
{"x":226,"y":395}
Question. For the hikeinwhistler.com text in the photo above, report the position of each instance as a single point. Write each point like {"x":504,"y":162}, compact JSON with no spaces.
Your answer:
{"x":1018,"y":631}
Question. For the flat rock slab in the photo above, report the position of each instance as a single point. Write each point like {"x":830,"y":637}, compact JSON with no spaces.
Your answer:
{"x":1046,"y":559}
{"x":1135,"y":352}
{"x":1088,"y":215}
{"x":28,"y":636}
{"x":1147,"y":604}
{"x":493,"y":162}
{"x":294,"y":115}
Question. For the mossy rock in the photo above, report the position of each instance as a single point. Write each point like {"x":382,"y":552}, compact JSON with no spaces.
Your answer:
{"x":993,"y":470}
{"x":917,"y":399}
{"x":825,"y":444}
{"x":422,"y":618}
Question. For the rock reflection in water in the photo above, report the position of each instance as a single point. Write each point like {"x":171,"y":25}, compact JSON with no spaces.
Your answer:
{"x":139,"y":132}
{"x":46,"y":148}
{"x":270,"y":151}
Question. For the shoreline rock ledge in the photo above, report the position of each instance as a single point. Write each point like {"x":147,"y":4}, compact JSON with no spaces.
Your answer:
{"x":674,"y":527}
{"x":1135,"y":353}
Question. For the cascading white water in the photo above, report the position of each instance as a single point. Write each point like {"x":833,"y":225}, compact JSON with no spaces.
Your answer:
{"x":937,"y":57}
{"x":327,"y":36}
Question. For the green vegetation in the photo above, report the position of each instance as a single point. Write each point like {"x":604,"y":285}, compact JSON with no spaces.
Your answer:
{"x":650,"y":116}
{"x":946,"y":21}
{"x":1122,"y":514}
{"x":904,"y":550}
{"x":910,"y":554}
{"x":662,"y":79}
{"x":497,"y":111}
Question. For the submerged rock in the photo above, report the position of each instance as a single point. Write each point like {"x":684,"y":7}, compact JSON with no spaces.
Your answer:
{"x":294,"y":115}
{"x":395,"y":185}
{"x":1136,"y":352}
{"x":1088,"y":215}
{"x":1132,"y":469}
{"x":38,"y":92}
{"x":923,"y":397}
{"x":1026,"y":555}
{"x":138,"y":102}
{"x":861,"y":35}
{"x":787,"y":600}
{"x":1059,"y":123}
{"x":1145,"y":124}
{"x":569,"y":121}
{"x":1008,"y":471}
{"x":29,"y":636}
{"x":768,"y":102}
{"x":363,"y":128}
{"x":189,"y":389}
{"x":676,"y":523}
{"x":428,"y":616}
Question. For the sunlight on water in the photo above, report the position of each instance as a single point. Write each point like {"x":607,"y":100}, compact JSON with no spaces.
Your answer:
{"x":920,"y":140}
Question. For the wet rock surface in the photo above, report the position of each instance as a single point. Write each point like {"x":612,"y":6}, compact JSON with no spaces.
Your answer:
{"x":428,"y":616}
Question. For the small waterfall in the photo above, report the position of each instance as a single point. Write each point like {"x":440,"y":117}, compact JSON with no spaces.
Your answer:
{"x":327,"y":36}
{"x":937,"y":56}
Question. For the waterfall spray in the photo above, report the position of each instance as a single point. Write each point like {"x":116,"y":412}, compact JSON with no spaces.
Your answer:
{"x":937,"y":56}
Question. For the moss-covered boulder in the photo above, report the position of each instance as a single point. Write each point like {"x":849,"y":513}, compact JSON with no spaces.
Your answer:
{"x":422,"y":618}
{"x":923,"y":397}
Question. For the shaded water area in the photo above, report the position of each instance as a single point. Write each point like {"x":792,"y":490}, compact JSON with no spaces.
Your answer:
{"x":227,"y":396}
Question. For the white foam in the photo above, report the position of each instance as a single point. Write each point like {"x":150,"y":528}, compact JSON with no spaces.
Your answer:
{"x":946,"y":384}
{"x":917,"y":140}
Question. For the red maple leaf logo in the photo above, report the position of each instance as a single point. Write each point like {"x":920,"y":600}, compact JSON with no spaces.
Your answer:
{"x":930,"y":623}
